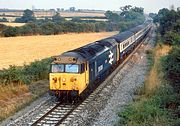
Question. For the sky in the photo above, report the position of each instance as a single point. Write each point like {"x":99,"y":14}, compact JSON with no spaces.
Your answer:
{"x":148,"y":5}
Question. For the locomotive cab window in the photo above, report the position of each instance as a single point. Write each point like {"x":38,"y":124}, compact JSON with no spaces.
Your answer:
{"x":71,"y":68}
{"x":57,"y":68}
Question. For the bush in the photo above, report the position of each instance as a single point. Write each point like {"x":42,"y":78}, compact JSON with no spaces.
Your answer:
{"x":3,"y":20}
{"x":150,"y":110}
{"x":76,"y":19}
{"x":171,"y":67}
{"x":11,"y":75}
{"x":10,"y":31}
{"x":37,"y":70}
{"x":25,"y":30}
{"x":169,"y":37}
{"x":176,"y":39}
{"x":48,"y":28}
{"x":2,"y":28}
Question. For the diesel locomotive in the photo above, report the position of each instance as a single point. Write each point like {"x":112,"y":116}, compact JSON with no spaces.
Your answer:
{"x":75,"y":71}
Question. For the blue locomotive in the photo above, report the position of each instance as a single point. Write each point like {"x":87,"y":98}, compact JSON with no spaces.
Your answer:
{"x":75,"y":71}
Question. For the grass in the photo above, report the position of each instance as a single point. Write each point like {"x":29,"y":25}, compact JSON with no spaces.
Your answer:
{"x":149,"y":110}
{"x":12,"y":98}
{"x":15,"y":97}
{"x":152,"y":107}
{"x":155,"y":75}
{"x":20,"y":50}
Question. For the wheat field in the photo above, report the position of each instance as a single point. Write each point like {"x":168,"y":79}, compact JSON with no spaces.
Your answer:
{"x":12,"y":24}
{"x":25,"y":49}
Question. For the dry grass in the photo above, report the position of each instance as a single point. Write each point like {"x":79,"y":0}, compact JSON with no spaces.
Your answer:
{"x":15,"y":97}
{"x":12,"y":97}
{"x":155,"y":76}
{"x":20,"y":50}
{"x":13,"y":24}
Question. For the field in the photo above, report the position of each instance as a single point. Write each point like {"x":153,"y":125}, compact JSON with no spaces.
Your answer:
{"x":51,"y":13}
{"x":80,"y":14}
{"x":11,"y":16}
{"x":13,"y":24}
{"x":20,"y":50}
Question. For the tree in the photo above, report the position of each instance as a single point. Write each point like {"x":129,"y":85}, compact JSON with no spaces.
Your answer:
{"x":138,"y":10}
{"x":29,"y":29}
{"x":152,"y":15}
{"x":76,"y":19}
{"x":112,"y":17}
{"x":129,"y":13}
{"x":126,"y":8}
{"x":48,"y":28}
{"x":28,"y":16}
{"x":57,"y":18}
{"x":3,"y":20}
{"x":10,"y":31}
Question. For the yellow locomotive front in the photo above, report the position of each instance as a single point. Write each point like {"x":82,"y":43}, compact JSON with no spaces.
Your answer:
{"x":68,"y":76}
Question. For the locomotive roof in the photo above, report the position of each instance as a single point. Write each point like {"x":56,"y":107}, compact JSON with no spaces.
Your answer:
{"x":108,"y":42}
{"x":89,"y":50}
{"x":122,"y":36}
{"x":74,"y":55}
{"x":83,"y":53}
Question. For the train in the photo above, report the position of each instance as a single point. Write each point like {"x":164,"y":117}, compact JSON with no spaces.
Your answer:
{"x":75,"y":71}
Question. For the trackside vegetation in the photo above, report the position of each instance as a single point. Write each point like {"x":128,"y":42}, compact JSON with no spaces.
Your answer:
{"x":159,"y":105}
{"x":20,"y":85}
{"x":26,"y":74}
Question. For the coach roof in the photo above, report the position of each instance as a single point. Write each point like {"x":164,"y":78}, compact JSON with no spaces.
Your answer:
{"x":136,"y":29}
{"x":122,"y":36}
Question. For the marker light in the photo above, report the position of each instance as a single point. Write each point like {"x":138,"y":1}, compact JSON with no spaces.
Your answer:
{"x":64,"y":79}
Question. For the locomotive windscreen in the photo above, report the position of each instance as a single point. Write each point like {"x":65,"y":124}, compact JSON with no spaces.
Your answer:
{"x":65,"y":68}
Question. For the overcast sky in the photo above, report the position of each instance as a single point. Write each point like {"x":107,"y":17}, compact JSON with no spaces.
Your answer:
{"x":149,"y":5}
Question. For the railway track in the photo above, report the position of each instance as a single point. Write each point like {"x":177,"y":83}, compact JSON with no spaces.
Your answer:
{"x":62,"y":114}
{"x":55,"y":115}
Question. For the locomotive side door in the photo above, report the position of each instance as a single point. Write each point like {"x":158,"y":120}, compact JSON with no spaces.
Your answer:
{"x":92,"y":71}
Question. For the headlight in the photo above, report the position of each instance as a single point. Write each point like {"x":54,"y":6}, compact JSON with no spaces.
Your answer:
{"x":64,"y":79}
